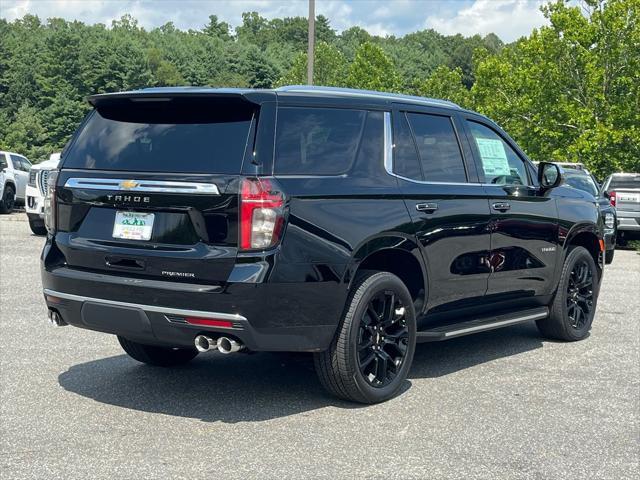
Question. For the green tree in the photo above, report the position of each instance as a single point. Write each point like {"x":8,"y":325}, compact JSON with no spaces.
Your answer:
{"x":372,"y":69}
{"x":26,"y":134}
{"x":330,"y":68}
{"x":571,"y":90}
{"x":217,"y":29}
{"x":446,"y":84}
{"x":165,"y":73}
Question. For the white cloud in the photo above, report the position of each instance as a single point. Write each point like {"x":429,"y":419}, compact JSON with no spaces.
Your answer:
{"x":509,"y":19}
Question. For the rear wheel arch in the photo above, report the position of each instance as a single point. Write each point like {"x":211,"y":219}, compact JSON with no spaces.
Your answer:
{"x":403,"y":260}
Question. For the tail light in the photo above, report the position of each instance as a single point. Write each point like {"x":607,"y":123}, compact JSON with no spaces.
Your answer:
{"x":612,"y":198}
{"x":50,"y":202}
{"x":261,"y":213}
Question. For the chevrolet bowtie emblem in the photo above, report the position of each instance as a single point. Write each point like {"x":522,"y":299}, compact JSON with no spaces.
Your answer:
{"x":128,"y":184}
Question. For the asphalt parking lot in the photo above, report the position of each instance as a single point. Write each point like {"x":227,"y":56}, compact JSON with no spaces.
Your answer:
{"x":502,"y":404}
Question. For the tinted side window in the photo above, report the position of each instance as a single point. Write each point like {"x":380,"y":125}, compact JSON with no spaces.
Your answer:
{"x":440,"y":155}
{"x":17,"y":162}
{"x":317,"y":141}
{"x":501,"y":165}
{"x":405,"y":155}
{"x":23,"y":164}
{"x":370,"y":156}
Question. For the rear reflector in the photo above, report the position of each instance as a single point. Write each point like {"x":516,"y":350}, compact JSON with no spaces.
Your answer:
{"x":210,"y":322}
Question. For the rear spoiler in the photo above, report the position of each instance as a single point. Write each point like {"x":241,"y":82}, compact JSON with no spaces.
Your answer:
{"x":167,"y":94}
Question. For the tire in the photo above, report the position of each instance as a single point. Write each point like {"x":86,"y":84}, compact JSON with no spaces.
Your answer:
{"x":157,"y":356}
{"x":608,"y":256}
{"x":8,"y":200}
{"x":388,"y":339}
{"x":571,"y":313}
{"x":37,"y":227}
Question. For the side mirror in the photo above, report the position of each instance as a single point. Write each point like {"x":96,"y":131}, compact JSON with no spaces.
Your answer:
{"x":549,"y":175}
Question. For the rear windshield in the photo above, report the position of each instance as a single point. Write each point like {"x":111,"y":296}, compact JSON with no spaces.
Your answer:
{"x":627,"y":182}
{"x":176,"y":135}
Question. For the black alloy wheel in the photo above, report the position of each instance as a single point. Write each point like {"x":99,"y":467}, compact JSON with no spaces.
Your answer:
{"x":370,"y":356}
{"x":580,"y":294}
{"x":382,"y":339}
{"x":573,"y":308}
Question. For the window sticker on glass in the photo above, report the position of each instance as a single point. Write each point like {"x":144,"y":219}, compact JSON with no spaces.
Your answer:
{"x":494,"y":157}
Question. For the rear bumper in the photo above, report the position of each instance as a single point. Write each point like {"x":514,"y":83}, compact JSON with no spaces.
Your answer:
{"x":265,"y":316}
{"x":628,"y":220}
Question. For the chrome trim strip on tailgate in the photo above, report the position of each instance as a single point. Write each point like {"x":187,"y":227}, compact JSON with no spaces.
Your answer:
{"x":152,"y":186}
{"x":148,"y":308}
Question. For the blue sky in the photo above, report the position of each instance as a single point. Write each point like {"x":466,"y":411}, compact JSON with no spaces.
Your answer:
{"x":509,"y":19}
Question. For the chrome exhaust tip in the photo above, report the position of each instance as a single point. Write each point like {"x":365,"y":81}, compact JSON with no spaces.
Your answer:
{"x":229,"y":345}
{"x":55,"y":319}
{"x":204,"y":343}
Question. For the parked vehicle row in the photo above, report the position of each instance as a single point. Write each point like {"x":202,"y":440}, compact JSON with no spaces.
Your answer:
{"x":346,"y":223}
{"x":36,"y":190}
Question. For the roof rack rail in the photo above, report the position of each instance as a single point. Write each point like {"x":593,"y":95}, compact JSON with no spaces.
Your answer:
{"x":353,"y":92}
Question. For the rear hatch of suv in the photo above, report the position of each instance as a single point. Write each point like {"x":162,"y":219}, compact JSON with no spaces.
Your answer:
{"x":625,"y":192}
{"x":149,"y":186}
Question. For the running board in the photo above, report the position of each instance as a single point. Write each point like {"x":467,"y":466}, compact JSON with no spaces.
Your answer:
{"x":481,"y":325}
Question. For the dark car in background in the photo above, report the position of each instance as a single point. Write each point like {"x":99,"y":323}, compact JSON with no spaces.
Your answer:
{"x":350,"y":224}
{"x":623,"y":192}
{"x":582,"y":179}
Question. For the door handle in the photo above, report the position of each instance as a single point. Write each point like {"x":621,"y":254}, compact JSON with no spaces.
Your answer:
{"x":501,"y":206}
{"x":427,"y":207}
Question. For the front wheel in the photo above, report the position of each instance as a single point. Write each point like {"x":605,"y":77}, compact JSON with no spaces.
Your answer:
{"x":574,"y":305}
{"x":8,"y":200}
{"x":608,"y":256}
{"x":157,"y":356}
{"x":37,"y":226}
{"x":370,"y":356}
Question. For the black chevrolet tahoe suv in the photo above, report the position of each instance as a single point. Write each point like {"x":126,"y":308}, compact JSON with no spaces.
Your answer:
{"x":351,"y":224}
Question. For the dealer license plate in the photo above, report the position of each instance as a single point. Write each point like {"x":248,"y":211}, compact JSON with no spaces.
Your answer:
{"x":133,"y":225}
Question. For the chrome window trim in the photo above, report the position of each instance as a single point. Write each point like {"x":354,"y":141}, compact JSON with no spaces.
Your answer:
{"x":148,"y":308}
{"x":151,"y":186}
{"x":388,"y":158}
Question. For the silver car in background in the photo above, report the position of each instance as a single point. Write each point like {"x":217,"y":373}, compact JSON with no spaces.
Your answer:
{"x":623,"y":191}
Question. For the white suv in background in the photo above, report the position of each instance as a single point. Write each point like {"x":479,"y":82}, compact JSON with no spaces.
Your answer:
{"x":14,"y":174}
{"x":36,"y":189}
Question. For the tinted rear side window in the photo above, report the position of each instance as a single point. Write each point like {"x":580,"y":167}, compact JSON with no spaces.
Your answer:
{"x":188,"y":136}
{"x":317,"y":141}
{"x":438,"y":147}
{"x":405,"y":155}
